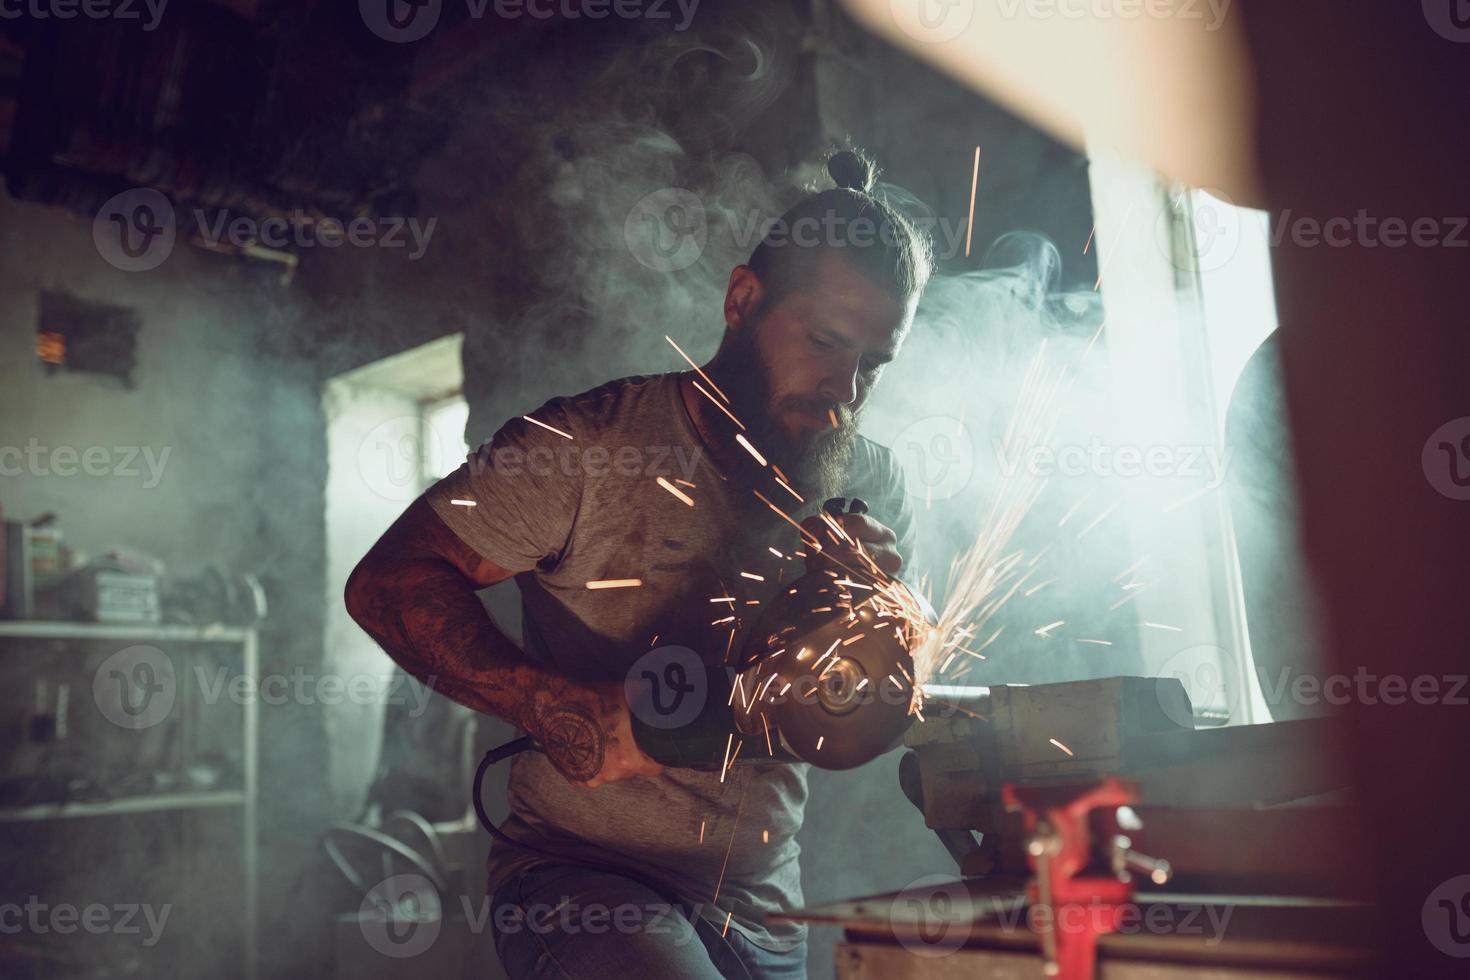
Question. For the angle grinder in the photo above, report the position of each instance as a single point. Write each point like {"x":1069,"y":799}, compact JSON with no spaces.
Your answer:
{"x":825,"y":676}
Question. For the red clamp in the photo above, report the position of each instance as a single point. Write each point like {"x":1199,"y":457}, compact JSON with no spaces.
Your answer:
{"x":1077,"y":907}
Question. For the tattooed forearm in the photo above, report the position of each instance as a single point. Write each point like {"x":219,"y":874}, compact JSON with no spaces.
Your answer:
{"x":412,"y":595}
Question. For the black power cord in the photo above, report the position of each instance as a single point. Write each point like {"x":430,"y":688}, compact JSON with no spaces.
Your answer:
{"x":526,"y":743}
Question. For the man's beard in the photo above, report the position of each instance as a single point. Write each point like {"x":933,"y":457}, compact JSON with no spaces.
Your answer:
{"x":817,"y":468}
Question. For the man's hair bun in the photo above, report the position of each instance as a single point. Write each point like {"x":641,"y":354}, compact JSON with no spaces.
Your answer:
{"x":852,"y":171}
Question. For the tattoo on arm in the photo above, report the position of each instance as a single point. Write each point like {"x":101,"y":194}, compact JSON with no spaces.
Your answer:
{"x":573,"y":740}
{"x":411,"y":596}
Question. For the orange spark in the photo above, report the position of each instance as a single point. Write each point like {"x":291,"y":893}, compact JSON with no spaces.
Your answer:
{"x":676,"y":491}
{"x":1060,"y":746}
{"x":549,"y":428}
{"x":740,"y":438}
{"x":615,"y":583}
{"x":1161,"y":626}
{"x":715,"y":402}
{"x":1038,"y":587}
{"x":974,"y":183}
{"x":462,"y":503}
{"x":790,"y":489}
{"x":696,"y":367}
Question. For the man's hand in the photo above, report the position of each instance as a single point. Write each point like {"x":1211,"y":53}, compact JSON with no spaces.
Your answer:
{"x":875,"y":540}
{"x":586,"y":732}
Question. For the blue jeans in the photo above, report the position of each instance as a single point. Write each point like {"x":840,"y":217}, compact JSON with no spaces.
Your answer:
{"x":566,"y":922}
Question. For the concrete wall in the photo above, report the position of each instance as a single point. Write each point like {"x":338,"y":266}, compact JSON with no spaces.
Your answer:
{"x":241,"y":486}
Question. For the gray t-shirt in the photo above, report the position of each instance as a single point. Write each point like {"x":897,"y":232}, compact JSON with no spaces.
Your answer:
{"x":562,"y":512}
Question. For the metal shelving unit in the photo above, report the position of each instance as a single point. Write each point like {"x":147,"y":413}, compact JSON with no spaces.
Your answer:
{"x":244,"y":798}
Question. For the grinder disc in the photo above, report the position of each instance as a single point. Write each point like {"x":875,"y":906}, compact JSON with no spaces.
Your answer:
{"x":835,"y":680}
